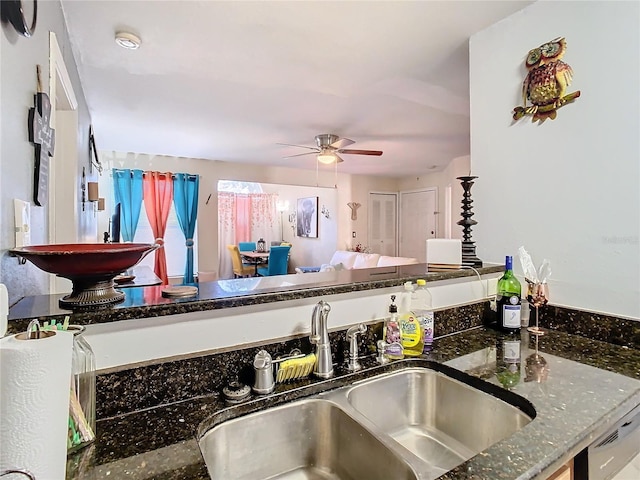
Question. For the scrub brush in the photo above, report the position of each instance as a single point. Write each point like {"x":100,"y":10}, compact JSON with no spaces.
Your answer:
{"x":295,"y":368}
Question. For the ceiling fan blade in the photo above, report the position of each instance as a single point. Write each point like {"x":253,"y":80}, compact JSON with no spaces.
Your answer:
{"x":376,"y":153}
{"x":342,"y":142}
{"x":301,"y":154}
{"x":301,"y":146}
{"x":338,"y":159}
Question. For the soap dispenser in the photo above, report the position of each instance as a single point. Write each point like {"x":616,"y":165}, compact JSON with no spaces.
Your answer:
{"x":393,"y":346}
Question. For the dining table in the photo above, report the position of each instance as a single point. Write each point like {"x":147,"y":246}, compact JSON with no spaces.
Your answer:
{"x":255,"y":258}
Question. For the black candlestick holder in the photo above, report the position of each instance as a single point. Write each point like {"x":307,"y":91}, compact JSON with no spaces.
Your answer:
{"x":469,"y":257}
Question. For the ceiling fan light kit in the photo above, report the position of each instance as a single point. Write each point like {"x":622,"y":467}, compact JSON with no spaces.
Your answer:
{"x":326,"y":158}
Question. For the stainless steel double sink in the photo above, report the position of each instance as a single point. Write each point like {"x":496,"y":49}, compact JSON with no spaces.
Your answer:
{"x":412,"y":423}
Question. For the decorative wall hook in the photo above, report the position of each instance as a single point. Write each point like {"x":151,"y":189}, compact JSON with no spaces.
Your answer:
{"x":325,"y":211}
{"x":354,"y":206}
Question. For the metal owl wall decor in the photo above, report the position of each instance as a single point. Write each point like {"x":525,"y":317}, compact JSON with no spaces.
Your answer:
{"x":546,"y":83}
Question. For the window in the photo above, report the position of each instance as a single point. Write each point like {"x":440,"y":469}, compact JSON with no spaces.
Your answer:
{"x":175,"y":249}
{"x":235,"y":186}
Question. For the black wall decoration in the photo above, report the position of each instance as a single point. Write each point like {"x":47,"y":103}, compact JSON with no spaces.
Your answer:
{"x":21,"y":14}
{"x":43,"y":138}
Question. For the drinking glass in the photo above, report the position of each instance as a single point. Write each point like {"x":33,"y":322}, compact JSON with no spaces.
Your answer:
{"x":537,"y":295}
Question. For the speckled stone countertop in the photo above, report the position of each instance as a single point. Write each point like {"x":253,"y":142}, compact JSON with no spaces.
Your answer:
{"x":590,"y":384}
{"x":144,"y":302}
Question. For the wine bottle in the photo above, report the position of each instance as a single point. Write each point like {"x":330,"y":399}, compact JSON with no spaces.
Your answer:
{"x":508,"y":358}
{"x":508,"y":299}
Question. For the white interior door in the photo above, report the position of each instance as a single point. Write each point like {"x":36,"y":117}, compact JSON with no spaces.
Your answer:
{"x":383,"y":221}
{"x":418,"y":220}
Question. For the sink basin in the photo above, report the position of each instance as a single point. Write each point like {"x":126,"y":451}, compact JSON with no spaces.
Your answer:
{"x":441,"y":420}
{"x":416,"y":419}
{"x":305,"y":440}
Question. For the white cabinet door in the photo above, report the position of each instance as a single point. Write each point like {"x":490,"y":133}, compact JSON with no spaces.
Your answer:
{"x":418,"y":210}
{"x":383,"y":223}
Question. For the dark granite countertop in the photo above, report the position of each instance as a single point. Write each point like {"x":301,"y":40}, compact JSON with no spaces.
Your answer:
{"x":590,"y":385}
{"x":141,"y":302}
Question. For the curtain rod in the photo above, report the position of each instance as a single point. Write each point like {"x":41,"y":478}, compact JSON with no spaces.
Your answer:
{"x":173,"y":175}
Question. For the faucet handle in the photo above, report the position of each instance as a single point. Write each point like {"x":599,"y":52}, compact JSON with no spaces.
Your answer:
{"x":353,"y":365}
{"x":356,"y":329}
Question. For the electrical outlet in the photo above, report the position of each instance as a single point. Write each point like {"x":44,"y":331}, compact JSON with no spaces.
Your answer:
{"x":353,"y":234}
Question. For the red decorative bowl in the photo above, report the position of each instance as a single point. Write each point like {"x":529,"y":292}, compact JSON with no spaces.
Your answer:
{"x":91,"y":267}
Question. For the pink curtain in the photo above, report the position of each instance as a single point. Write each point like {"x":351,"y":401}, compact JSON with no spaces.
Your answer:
{"x":158,"y":194}
{"x":243,"y":218}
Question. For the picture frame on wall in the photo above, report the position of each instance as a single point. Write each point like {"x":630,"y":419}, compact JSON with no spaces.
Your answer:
{"x":307,"y":217}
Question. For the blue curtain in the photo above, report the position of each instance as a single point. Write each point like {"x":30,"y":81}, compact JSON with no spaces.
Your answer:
{"x":185,"y":201}
{"x":127,"y":186}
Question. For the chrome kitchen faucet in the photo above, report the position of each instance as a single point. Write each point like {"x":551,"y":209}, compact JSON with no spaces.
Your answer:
{"x":320,"y":337}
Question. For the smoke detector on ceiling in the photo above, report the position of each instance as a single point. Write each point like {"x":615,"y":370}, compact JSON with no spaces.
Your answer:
{"x":128,"y":40}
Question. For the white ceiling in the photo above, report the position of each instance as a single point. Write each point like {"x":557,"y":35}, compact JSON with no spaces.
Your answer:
{"x":228,"y":80}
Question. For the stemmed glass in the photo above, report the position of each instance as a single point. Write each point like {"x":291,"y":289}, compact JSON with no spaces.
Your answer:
{"x":537,"y":295}
{"x":536,"y":367}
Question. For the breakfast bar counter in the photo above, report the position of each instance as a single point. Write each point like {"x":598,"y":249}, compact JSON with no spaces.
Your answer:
{"x":141,"y":302}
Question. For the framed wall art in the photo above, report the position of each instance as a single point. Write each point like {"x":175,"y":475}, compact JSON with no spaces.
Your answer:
{"x":307,"y":217}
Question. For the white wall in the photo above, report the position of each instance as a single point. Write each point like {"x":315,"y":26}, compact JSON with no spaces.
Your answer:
{"x":19,"y":58}
{"x":349,"y":188}
{"x":567,"y":189}
{"x":308,"y":251}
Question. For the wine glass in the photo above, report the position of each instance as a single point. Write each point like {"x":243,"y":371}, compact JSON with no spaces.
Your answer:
{"x":536,"y":367}
{"x":537,"y":295}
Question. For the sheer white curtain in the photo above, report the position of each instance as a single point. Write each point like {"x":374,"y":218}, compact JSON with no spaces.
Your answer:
{"x":244,"y":217}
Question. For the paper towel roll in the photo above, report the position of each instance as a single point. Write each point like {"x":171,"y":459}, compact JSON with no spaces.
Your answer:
{"x":34,"y":404}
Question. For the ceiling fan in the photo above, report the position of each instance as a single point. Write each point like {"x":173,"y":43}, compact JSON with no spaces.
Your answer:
{"x":329,"y":146}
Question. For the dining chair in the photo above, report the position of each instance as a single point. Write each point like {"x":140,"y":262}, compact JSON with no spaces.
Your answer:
{"x":287,"y":244}
{"x":239,"y":269}
{"x":247,"y":246}
{"x":278,"y":262}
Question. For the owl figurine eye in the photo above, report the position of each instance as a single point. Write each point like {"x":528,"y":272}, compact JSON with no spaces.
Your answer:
{"x":550,"y":49}
{"x":533,"y":57}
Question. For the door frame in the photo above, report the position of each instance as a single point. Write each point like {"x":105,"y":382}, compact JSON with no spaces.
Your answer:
{"x":61,"y":97}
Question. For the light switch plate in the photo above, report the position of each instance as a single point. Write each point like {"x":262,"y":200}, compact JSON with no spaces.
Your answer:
{"x":22,"y":212}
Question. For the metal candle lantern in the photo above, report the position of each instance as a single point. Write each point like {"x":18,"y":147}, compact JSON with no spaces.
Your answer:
{"x":468,"y":246}
{"x":262,"y":245}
